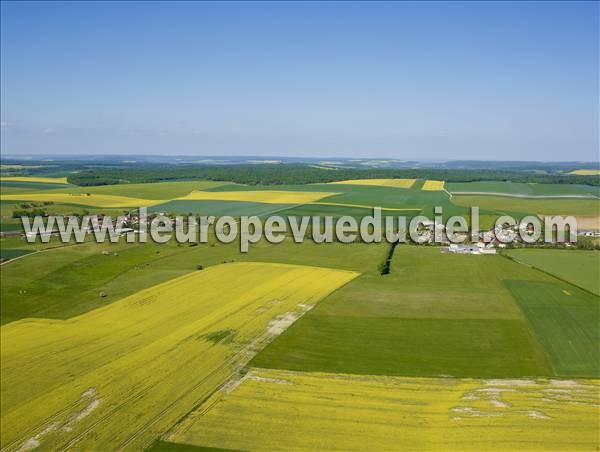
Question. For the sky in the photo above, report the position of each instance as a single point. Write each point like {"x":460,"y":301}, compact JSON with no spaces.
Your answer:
{"x":442,"y":80}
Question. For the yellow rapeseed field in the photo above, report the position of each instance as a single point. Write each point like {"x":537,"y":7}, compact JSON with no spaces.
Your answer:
{"x":121,"y":375}
{"x":262,"y":196}
{"x":273,"y":410}
{"x":398,"y":183}
{"x":433,"y":185}
{"x":586,"y":172}
{"x":84,"y":199}
{"x":45,"y":180}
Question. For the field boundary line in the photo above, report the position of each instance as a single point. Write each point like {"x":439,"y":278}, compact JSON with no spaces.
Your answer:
{"x":38,"y":251}
{"x":244,"y":369}
{"x":362,"y":206}
{"x":549,"y":274}
{"x":242,"y":358}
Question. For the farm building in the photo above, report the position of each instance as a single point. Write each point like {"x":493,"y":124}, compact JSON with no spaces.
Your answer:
{"x":480,"y":248}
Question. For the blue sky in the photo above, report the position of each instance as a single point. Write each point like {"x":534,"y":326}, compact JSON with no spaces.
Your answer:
{"x":473,"y":80}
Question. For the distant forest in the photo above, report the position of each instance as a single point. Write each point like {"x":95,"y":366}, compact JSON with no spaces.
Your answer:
{"x":305,"y":174}
{"x":111,"y":171}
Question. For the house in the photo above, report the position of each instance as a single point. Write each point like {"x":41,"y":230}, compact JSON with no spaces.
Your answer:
{"x":41,"y":234}
{"x":480,"y":248}
{"x":589,"y":233}
{"x":487,"y":249}
{"x":124,"y":230}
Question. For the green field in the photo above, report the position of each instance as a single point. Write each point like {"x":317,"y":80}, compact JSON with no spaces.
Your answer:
{"x":556,"y":206}
{"x":219,"y":208}
{"x":565,"y":320}
{"x":578,"y":267}
{"x":409,"y":347}
{"x":433,"y":314}
{"x":9,"y":223}
{"x":68,"y":280}
{"x":524,"y":189}
{"x":361,"y":195}
{"x":413,"y":199}
{"x":7,"y":226}
{"x":27,"y":187}
{"x":12,"y":253}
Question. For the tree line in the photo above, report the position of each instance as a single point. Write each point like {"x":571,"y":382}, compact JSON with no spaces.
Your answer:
{"x":305,"y":174}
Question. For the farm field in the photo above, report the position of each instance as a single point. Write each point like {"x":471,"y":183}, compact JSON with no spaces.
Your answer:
{"x":335,"y":211}
{"x":398,"y":183}
{"x":586,"y":172}
{"x":219,"y":198}
{"x":94,"y":381}
{"x":430,"y":335}
{"x":556,"y":206}
{"x":523,"y":189}
{"x":18,"y":167}
{"x":410,"y":347}
{"x":299,"y":226}
{"x":579,"y":267}
{"x":274,"y":409}
{"x":81,"y":199}
{"x":587,"y":222}
{"x":7,"y":187}
{"x":109,"y":196}
{"x":361,"y":196}
{"x":434,"y":314}
{"x":9,"y":223}
{"x":433,"y":185}
{"x":219,"y":208}
{"x":239,"y":208}
{"x":259,"y":196}
{"x":10,"y":226}
{"x":35,"y":179}
{"x":158,"y":190}
{"x":340,"y":199}
{"x":68,"y":279}
{"x":13,"y":253}
{"x":395,"y":198}
{"x":384,"y":197}
{"x":565,"y":320}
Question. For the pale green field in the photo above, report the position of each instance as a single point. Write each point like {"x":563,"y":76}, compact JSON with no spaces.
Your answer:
{"x":259,"y":196}
{"x":579,"y":267}
{"x":524,"y":189}
{"x":557,"y":206}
